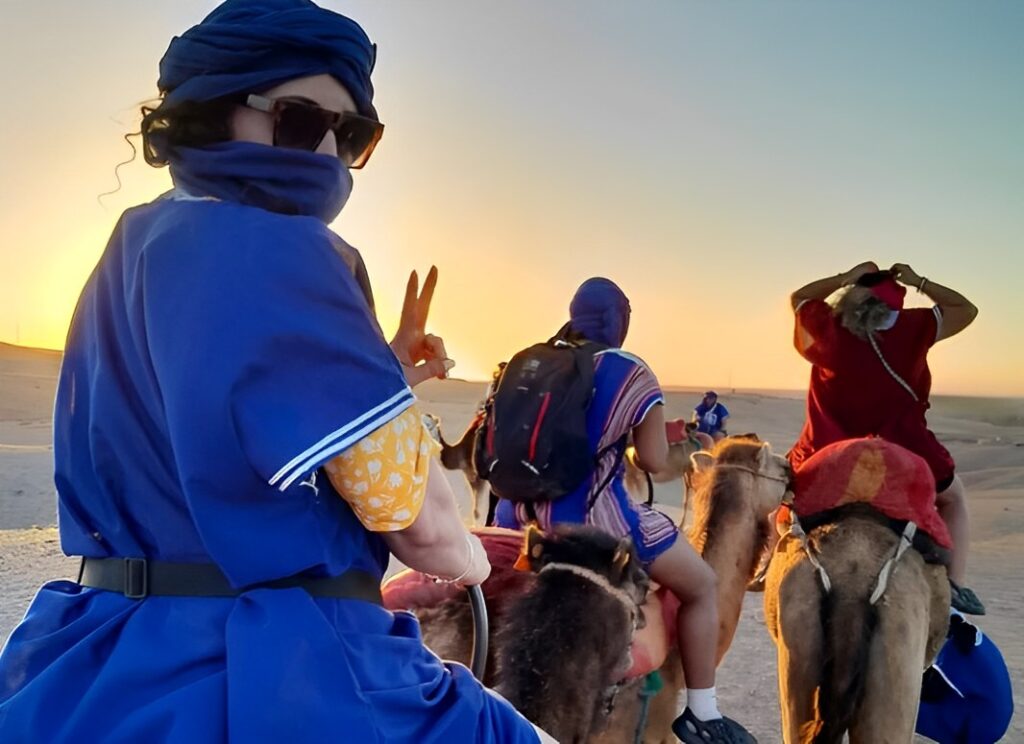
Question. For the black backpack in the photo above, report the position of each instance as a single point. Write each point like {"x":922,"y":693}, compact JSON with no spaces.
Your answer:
{"x":533,"y":445}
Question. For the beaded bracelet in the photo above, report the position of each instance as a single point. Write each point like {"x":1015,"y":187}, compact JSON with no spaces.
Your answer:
{"x":920,"y":287}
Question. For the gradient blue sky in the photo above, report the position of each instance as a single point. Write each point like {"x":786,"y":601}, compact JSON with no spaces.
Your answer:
{"x":710,"y":157}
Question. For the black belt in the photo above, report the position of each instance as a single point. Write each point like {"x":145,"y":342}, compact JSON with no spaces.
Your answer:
{"x":137,"y":578}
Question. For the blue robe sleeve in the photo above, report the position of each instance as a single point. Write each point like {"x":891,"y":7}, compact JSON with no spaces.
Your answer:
{"x":264,"y":347}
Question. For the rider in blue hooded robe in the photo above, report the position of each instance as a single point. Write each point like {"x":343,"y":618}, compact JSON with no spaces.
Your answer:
{"x":221,"y":352}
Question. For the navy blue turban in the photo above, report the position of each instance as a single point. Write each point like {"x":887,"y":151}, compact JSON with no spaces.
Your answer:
{"x":600,"y":311}
{"x":252,"y":45}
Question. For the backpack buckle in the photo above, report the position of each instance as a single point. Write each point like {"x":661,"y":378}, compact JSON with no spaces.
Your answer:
{"x":136,"y":578}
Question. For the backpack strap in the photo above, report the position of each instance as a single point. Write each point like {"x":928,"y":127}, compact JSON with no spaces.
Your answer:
{"x":620,"y":445}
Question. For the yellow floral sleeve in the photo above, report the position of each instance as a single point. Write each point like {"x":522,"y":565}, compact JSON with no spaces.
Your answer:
{"x":383,"y":477}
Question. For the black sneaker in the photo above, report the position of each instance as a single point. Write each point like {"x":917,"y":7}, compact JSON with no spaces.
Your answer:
{"x":692,"y":730}
{"x":964,"y":600}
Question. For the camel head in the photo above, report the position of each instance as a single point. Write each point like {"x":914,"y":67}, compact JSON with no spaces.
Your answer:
{"x":565,"y":644}
{"x":591,"y":549}
{"x":768,"y":474}
{"x":741,"y":481}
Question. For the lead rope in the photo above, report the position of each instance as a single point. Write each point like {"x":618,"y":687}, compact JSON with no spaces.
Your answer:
{"x":906,"y":540}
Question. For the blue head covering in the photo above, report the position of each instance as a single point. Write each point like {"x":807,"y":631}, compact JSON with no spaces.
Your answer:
{"x":252,"y":45}
{"x":600,"y":311}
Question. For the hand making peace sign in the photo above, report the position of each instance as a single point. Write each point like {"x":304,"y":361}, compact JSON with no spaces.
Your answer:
{"x":422,"y":354}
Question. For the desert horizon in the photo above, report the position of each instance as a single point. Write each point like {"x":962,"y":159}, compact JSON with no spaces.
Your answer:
{"x":990,"y":457}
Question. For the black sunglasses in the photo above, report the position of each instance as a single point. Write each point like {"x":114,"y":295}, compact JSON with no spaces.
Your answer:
{"x":301,"y":125}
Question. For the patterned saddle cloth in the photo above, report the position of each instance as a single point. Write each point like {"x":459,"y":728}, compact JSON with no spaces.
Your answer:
{"x":890,"y":479}
{"x":412,"y":590}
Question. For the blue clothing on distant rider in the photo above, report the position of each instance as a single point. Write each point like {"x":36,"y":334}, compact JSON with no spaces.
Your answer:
{"x":710,"y":418}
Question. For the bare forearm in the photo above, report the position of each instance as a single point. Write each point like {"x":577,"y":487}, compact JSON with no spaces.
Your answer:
{"x":957,"y":311}
{"x":945,"y":297}
{"x":436,"y":542}
{"x":818,"y":290}
{"x":822,"y":288}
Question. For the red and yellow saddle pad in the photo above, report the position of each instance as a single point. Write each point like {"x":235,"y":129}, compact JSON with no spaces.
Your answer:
{"x":872,"y":471}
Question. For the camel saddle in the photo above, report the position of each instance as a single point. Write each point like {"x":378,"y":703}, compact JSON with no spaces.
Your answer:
{"x":412,"y":590}
{"x":675,"y":430}
{"x":894,"y":482}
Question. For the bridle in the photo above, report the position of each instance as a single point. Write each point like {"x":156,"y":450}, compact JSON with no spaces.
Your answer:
{"x":632,"y":607}
{"x":755,"y":473}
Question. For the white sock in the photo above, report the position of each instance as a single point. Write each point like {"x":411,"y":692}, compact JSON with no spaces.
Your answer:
{"x":703,"y":703}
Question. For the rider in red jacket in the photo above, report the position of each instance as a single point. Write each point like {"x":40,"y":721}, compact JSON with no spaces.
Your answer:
{"x":870,"y":377}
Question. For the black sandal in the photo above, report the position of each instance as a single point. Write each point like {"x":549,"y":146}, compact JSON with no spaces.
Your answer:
{"x":691,"y":730}
{"x":964,"y":600}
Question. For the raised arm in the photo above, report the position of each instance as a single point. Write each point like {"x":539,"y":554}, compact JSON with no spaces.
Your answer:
{"x":822,"y":288}
{"x":957,"y":311}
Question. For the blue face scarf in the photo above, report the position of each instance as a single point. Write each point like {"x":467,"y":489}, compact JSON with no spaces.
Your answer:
{"x":246,"y":46}
{"x":600,"y":311}
{"x":272,"y":178}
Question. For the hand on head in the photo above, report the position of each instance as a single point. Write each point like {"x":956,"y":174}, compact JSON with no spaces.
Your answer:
{"x":905,"y":275}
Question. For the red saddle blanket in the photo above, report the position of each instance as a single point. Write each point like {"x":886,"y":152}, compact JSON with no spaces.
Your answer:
{"x":412,"y":590}
{"x":675,"y":430}
{"x":891,"y":479}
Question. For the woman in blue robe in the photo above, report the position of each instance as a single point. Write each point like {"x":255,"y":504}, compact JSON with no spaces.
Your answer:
{"x":225,"y":385}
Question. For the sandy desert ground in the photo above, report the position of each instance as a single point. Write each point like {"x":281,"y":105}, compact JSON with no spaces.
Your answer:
{"x":985,"y":435}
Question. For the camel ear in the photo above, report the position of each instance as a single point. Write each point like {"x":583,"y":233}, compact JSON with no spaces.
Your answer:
{"x":533,"y":549}
{"x":702,"y":461}
{"x":764,"y":456}
{"x":623,"y":552}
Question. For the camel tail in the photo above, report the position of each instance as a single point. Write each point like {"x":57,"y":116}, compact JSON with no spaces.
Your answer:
{"x":849,"y":625}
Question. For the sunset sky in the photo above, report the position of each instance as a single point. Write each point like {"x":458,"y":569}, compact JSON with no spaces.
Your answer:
{"x":708,"y":156}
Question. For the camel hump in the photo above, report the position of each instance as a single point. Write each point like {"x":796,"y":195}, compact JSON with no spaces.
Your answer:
{"x":889,"y":478}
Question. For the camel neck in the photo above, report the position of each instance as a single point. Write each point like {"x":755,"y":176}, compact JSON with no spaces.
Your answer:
{"x":732,"y":553}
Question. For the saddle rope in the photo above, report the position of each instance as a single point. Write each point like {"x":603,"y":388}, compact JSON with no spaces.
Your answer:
{"x":882,"y":583}
{"x":595,"y":578}
{"x":906,"y":540}
{"x":796,"y":531}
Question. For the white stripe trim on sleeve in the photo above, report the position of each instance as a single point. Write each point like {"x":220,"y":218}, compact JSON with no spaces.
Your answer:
{"x":659,"y":401}
{"x":938,"y":321}
{"x":624,"y":354}
{"x":379,"y":414}
{"x":800,"y":305}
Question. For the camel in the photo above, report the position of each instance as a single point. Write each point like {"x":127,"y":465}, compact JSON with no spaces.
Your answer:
{"x":851,"y":656}
{"x":738,"y":485}
{"x":587,"y":574}
{"x":680,"y":466}
{"x":459,"y":456}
